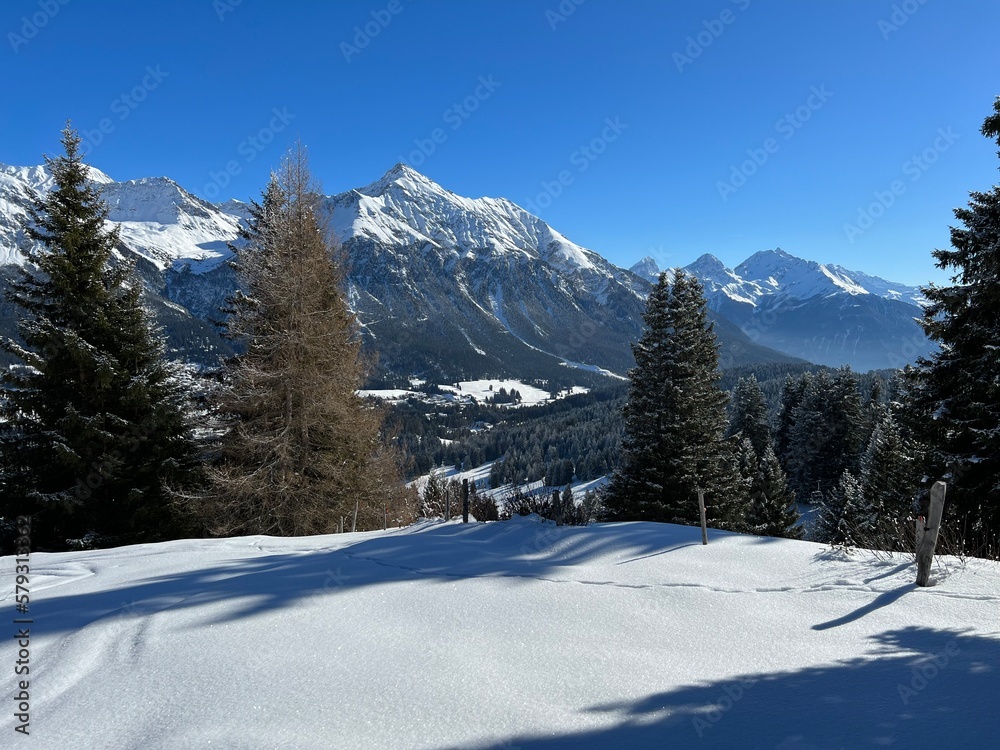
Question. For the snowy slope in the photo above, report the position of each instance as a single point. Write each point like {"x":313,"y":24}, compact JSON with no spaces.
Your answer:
{"x":504,"y":635}
{"x":159,"y":220}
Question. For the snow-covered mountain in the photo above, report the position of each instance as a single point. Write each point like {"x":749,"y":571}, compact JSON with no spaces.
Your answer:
{"x":455,"y":287}
{"x":821,"y":312}
{"x":161,"y":226}
{"x":459,"y":288}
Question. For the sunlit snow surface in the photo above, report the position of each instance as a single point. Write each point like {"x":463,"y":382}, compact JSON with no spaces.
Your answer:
{"x":504,"y":635}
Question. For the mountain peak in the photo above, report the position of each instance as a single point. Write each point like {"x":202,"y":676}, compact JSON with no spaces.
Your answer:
{"x":403,"y":176}
{"x":647,"y":269}
{"x":709,"y":265}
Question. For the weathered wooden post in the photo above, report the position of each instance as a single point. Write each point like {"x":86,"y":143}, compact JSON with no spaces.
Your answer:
{"x":340,"y":526}
{"x":557,"y":507}
{"x":447,"y":503}
{"x":465,"y":500}
{"x":354,"y":521}
{"x":701,"y":510}
{"x":927,"y":534}
{"x":385,"y":517}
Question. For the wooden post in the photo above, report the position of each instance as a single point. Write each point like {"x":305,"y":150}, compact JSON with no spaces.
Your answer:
{"x":447,"y":504}
{"x":557,"y":507}
{"x":927,"y":541}
{"x":354,"y":521}
{"x":701,"y":510}
{"x":385,"y":517}
{"x":465,"y":501}
{"x":340,"y":526}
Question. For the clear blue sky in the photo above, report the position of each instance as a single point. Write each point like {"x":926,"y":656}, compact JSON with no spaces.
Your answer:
{"x":696,"y":85}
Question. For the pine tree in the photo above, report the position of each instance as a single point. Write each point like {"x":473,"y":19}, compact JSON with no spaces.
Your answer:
{"x":792,"y":394}
{"x":771,"y":505}
{"x":958,"y":387}
{"x":675,"y":418}
{"x":300,"y":447}
{"x":825,"y":439}
{"x":749,"y":415}
{"x":889,"y":483}
{"x":97,"y":431}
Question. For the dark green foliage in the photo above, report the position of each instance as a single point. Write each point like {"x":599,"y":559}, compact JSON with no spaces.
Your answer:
{"x":875,"y":508}
{"x":771,"y":507}
{"x":97,"y":431}
{"x":675,"y":419}
{"x":749,"y":417}
{"x":826,"y":433}
{"x":957,"y":390}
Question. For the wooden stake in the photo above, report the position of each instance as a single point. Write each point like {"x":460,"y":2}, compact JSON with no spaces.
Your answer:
{"x":701,"y":510}
{"x":927,"y":540}
{"x":465,"y":501}
{"x":354,"y":521}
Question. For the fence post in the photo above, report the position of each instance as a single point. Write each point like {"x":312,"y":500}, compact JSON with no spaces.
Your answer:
{"x":701,"y":511}
{"x":354,"y":521}
{"x":447,"y":503}
{"x":385,"y":517}
{"x":928,"y":535}
{"x":557,"y":507}
{"x":465,"y":500}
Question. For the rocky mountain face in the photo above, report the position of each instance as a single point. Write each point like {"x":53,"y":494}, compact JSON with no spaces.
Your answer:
{"x":457,"y":288}
{"x":826,"y":314}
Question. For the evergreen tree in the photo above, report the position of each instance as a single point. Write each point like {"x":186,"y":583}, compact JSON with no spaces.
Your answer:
{"x":749,"y":415}
{"x":874,"y":508}
{"x":957,"y":388}
{"x":675,"y":418}
{"x":825,"y":439}
{"x":889,"y":483}
{"x":300,"y":447}
{"x":771,"y":508}
{"x":791,"y":396}
{"x":96,"y":431}
{"x":432,"y":498}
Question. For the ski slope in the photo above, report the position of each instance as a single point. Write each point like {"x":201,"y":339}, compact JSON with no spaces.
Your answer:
{"x":504,"y":635}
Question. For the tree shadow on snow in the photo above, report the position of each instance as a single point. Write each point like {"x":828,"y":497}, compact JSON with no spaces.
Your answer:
{"x":918,"y":688}
{"x":523,"y":548}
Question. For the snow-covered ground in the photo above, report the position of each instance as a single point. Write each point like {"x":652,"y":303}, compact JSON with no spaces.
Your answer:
{"x":476,"y":390}
{"x":483,"y":390}
{"x":503,"y":635}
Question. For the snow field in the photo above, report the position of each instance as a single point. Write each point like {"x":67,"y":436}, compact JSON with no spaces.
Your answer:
{"x":516,"y":634}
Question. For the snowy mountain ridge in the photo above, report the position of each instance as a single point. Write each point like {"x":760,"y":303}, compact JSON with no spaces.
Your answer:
{"x":453,"y":287}
{"x":824,"y":313}
{"x":777,"y":274}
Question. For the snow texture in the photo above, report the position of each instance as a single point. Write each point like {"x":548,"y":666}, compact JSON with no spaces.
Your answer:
{"x":505,"y":635}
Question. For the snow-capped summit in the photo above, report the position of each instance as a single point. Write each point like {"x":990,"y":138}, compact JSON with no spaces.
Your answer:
{"x":405,"y":206}
{"x":159,"y":220}
{"x":647,"y":269}
{"x":821,"y":312}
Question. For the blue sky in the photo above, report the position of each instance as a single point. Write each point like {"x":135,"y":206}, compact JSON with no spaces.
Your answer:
{"x":843,"y":131}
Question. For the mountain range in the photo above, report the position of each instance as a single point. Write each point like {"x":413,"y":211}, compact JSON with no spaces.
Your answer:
{"x":823,"y":313}
{"x":455,"y":288}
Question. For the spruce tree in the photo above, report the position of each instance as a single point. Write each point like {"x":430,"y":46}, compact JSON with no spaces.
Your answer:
{"x":889,"y":482}
{"x":300,"y":447}
{"x":791,"y":396}
{"x":96,"y":431}
{"x":958,"y":388}
{"x":675,"y":419}
{"x":749,"y":414}
{"x":825,"y":439}
{"x":771,"y":505}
